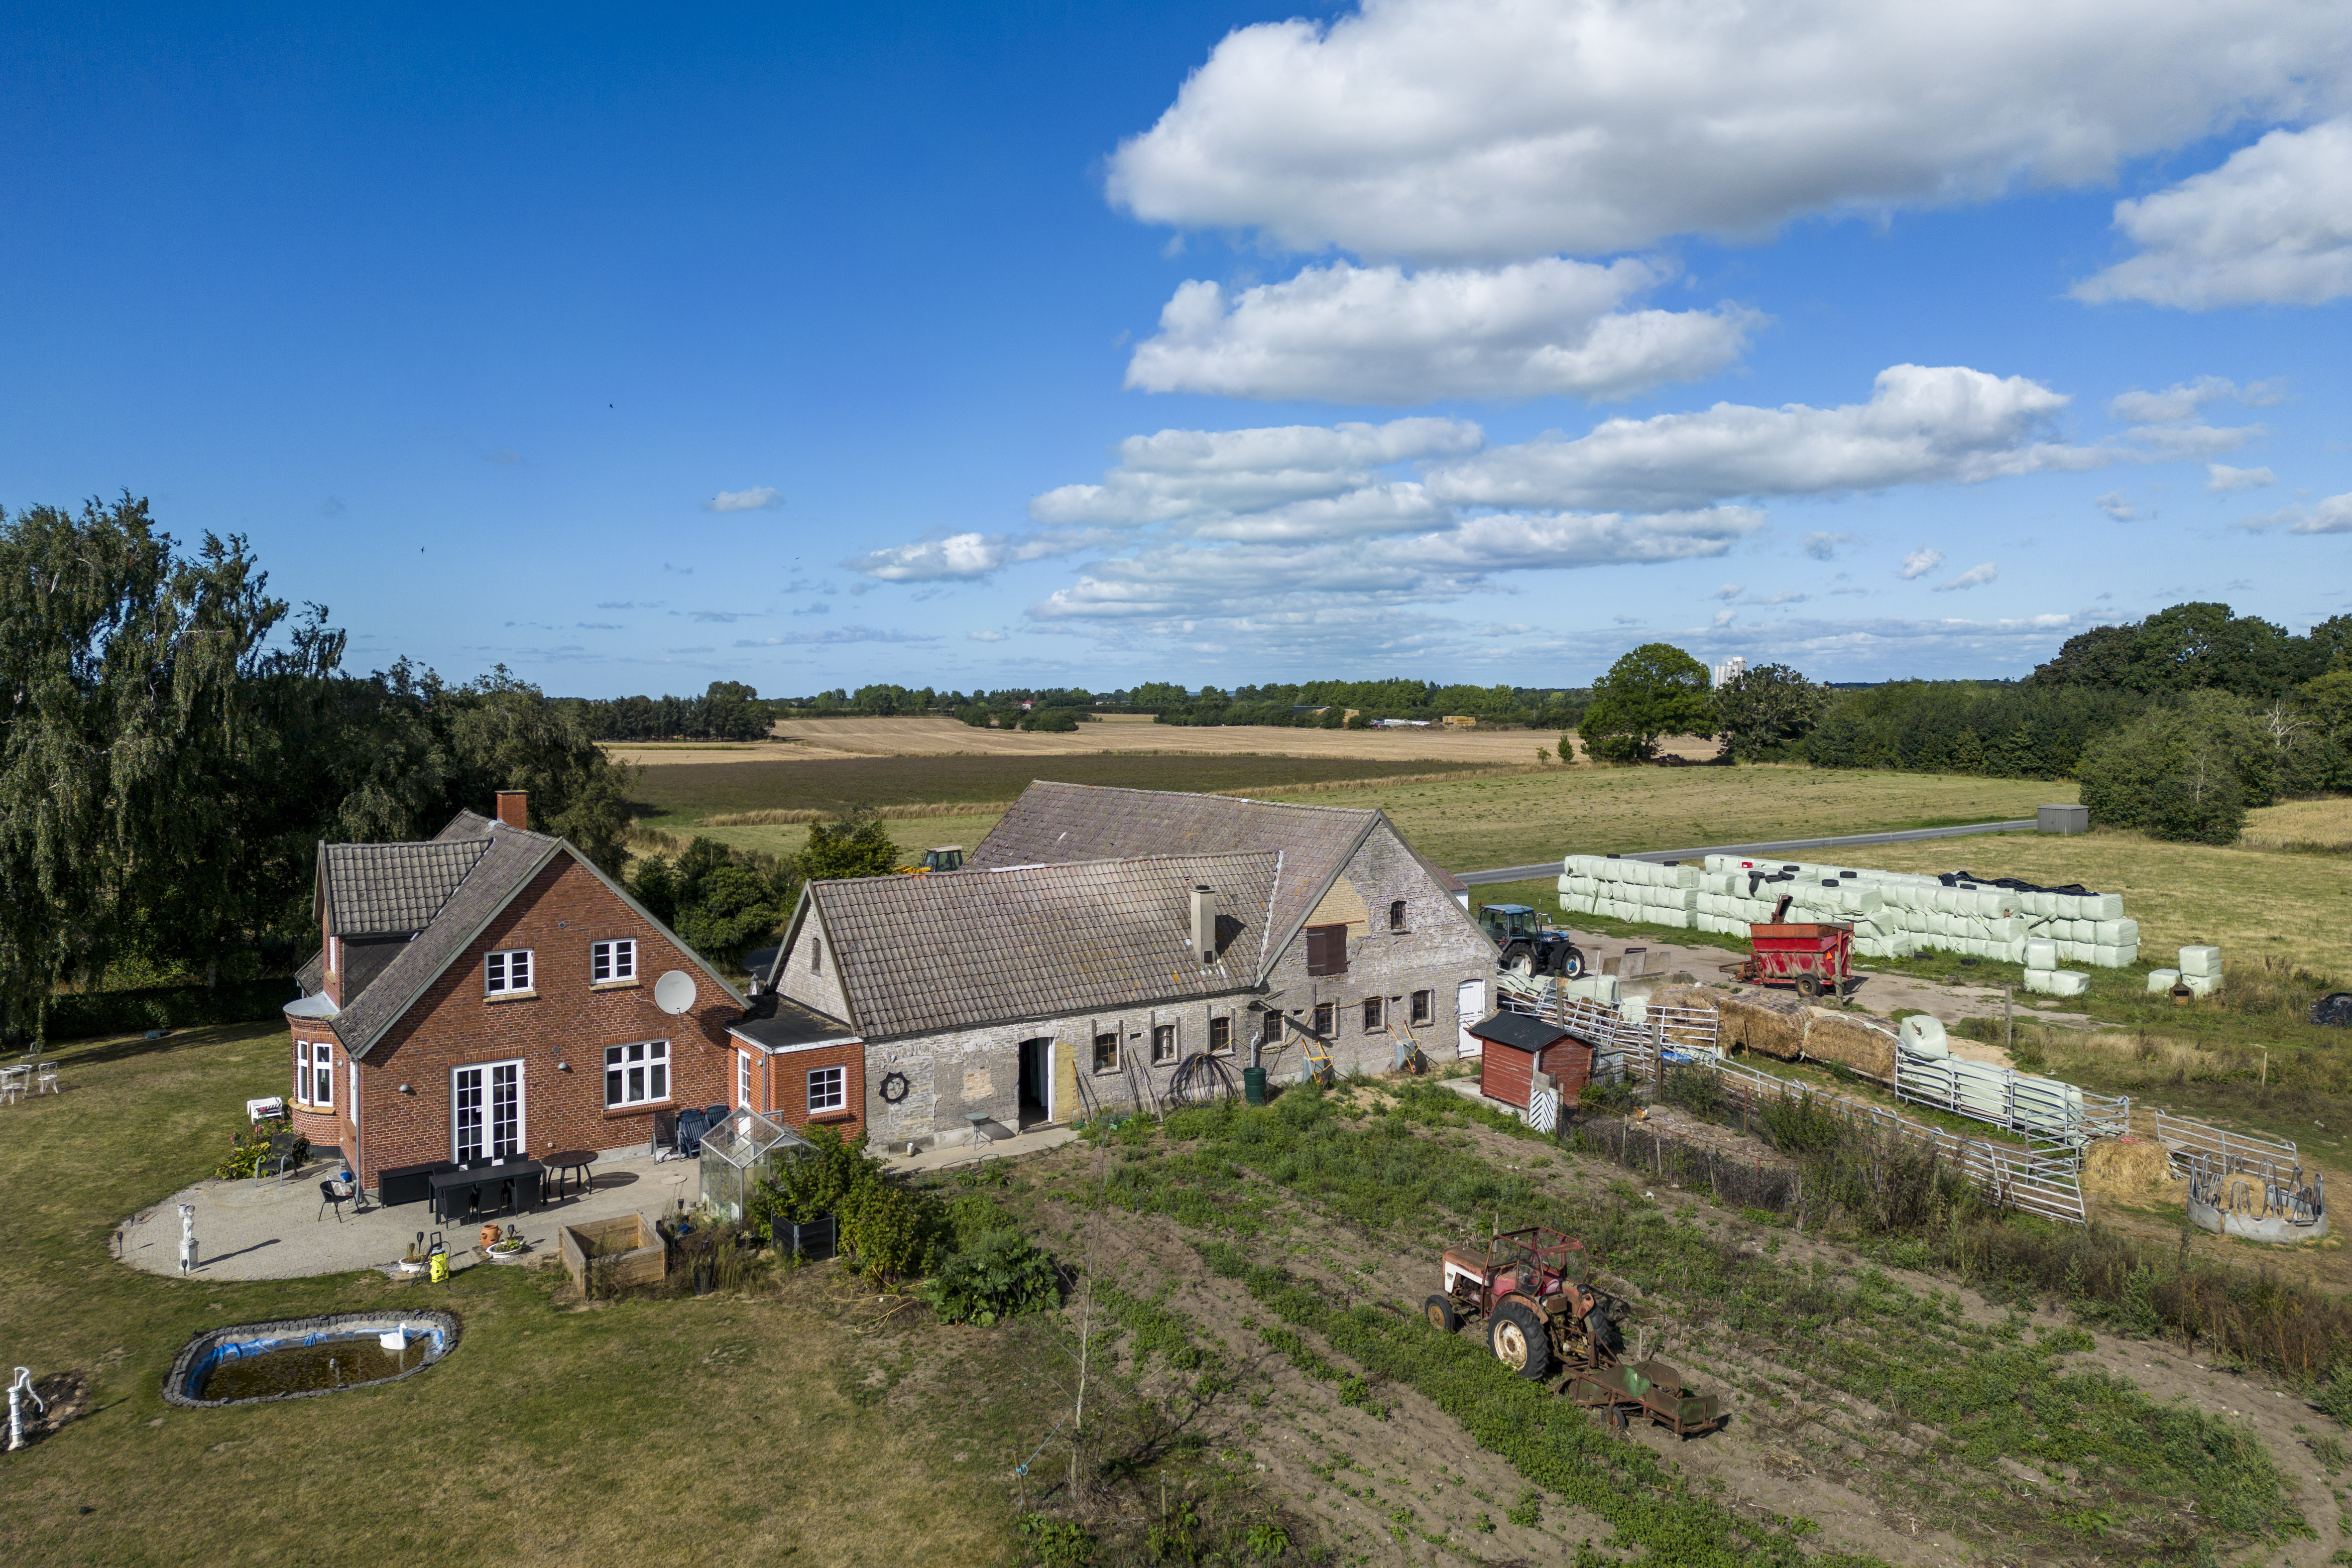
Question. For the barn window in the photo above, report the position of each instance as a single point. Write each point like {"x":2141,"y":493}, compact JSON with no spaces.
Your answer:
{"x":1424,"y":1006}
{"x":1325,"y":1013}
{"x":1164,"y":1044}
{"x":1106,"y":1052}
{"x":1371,"y":1015}
{"x":1396,"y":915}
{"x":1221,"y":1036}
{"x":1327,"y":950}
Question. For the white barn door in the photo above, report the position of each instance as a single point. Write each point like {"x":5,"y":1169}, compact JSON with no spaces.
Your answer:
{"x":1469,"y":1007}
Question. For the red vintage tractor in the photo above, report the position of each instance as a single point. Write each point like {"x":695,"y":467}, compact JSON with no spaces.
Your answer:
{"x":1532,"y":1288}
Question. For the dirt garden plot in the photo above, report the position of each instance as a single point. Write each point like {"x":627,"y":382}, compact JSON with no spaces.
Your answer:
{"x":1278,"y":1260}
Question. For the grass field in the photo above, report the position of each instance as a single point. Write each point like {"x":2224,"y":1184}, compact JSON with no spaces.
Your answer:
{"x":550,"y":1434}
{"x":668,"y":798}
{"x":1476,"y":822}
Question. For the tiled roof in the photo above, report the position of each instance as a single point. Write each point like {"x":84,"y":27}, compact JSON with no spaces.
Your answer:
{"x":374,"y":889}
{"x":444,"y":890}
{"x":962,"y":948}
{"x":1056,"y":823}
{"x":502,"y":864}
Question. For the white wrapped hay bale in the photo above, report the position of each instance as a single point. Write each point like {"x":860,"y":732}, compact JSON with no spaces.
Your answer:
{"x":2162,"y":980}
{"x":2106,"y":955}
{"x":2057,"y":981}
{"x":2119,"y":933}
{"x":2041,"y":954}
{"x":2201,"y":985}
{"x":1923,"y":1035}
{"x":2200,"y":962}
{"x":2102,"y":907}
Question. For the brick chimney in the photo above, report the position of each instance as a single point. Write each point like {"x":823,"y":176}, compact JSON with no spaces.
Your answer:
{"x":514,"y":808}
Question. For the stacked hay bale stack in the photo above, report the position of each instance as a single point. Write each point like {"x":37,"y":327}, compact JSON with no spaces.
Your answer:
{"x":2042,"y":973}
{"x":1893,"y":913}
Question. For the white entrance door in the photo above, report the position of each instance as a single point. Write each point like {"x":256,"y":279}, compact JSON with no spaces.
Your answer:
{"x":1469,"y":1007}
{"x":743,"y":1080}
{"x":485,"y":1111}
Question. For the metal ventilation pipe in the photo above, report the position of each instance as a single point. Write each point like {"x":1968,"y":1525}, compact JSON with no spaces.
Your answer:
{"x":1204,"y":922}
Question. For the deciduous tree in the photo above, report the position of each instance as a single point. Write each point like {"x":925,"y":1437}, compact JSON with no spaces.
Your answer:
{"x":1654,"y":691}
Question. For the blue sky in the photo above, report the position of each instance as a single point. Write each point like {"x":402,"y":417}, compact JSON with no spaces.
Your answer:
{"x":1092,"y":344}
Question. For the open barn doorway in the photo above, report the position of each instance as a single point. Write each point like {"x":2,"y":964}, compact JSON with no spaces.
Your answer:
{"x":1036,"y":1083}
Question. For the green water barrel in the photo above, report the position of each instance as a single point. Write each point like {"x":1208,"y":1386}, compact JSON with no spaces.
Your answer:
{"x":1254,"y":1085}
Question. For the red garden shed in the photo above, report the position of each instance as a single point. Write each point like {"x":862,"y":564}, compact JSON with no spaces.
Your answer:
{"x":1531,"y":1045}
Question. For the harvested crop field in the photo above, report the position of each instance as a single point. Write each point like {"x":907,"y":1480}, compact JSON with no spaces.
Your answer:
{"x":675,"y":797}
{"x":1124,"y":732}
{"x":1267,"y":1268}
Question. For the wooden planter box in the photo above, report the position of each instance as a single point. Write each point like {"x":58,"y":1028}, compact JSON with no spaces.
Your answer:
{"x":632,"y":1251}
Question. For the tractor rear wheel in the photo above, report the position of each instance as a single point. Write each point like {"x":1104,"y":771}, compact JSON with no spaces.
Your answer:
{"x":1442,"y":1317}
{"x":1518,"y":1339}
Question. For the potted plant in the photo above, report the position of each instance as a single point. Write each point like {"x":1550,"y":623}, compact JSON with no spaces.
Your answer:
{"x":414,"y":1257}
{"x":505,"y":1248}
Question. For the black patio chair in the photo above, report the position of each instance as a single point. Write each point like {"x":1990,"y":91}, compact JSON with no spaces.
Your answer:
{"x":335,"y":1195}
{"x":665,"y":1133}
{"x":691,"y":1125}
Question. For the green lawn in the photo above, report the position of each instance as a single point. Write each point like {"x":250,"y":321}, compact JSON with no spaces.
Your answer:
{"x":550,"y":1434}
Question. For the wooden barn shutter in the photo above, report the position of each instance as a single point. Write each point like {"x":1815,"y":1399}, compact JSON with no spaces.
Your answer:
{"x":1327,"y":950}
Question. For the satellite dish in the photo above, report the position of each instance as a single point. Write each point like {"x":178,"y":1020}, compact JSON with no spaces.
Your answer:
{"x":674,"y":992}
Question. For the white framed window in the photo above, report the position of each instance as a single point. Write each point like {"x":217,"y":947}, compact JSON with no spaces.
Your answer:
{"x":314,"y":1074}
{"x":1164,"y":1044}
{"x":504,"y":973}
{"x":828,"y":1089}
{"x":743,"y":1080}
{"x":636,"y":1074}
{"x":611,"y":961}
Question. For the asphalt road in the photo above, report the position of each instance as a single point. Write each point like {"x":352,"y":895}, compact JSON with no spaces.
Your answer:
{"x":1784,"y":846}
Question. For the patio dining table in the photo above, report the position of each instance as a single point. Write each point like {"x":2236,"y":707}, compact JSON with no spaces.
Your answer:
{"x":451,"y":1188}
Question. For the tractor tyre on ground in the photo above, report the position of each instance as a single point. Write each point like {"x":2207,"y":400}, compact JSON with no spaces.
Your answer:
{"x":1442,"y":1314}
{"x":1518,"y":1339}
{"x":1809,"y":986}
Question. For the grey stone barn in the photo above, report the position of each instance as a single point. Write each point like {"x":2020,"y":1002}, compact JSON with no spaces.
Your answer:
{"x":1098,"y":938}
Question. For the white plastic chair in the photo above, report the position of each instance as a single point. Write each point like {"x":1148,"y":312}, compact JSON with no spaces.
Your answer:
{"x":45,"y":1078}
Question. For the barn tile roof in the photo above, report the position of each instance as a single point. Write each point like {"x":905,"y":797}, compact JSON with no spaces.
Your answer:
{"x":1058,"y":823}
{"x":965,"y":949}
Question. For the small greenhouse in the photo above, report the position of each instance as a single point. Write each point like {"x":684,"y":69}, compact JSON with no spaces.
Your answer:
{"x":739,"y":1152}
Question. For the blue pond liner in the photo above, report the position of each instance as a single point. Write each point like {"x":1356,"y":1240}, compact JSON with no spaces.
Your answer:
{"x":184,"y":1384}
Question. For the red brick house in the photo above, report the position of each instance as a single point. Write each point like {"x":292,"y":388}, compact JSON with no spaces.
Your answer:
{"x":489,"y":992}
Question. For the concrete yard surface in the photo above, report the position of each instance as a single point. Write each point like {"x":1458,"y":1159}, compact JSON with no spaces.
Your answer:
{"x":274,"y":1230}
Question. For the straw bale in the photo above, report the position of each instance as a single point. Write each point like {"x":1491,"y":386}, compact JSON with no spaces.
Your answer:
{"x":1857,"y":1043}
{"x":1765,"y":1022}
{"x":2128,"y":1168}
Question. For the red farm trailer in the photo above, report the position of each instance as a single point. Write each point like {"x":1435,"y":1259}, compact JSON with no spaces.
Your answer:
{"x":1813,"y":956}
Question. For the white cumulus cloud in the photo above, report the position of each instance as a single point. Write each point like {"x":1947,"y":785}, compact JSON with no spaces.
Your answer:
{"x":1342,"y":333}
{"x":1922,"y":425}
{"x":2117,"y":505}
{"x":1824,"y":546}
{"x":1474,"y":130}
{"x":2185,"y":400}
{"x":759,"y":498}
{"x":1193,"y":474}
{"x":1920,"y":562}
{"x":2273,"y":225}
{"x":1974,"y":577}
{"x":2333,"y":515}
{"x":966,"y":555}
{"x":2222,"y":479}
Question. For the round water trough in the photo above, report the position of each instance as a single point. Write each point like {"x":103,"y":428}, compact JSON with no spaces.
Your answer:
{"x":297,"y":1358}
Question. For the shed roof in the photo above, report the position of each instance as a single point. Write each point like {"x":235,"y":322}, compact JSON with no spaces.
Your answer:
{"x":963,"y":949}
{"x":777,"y":1023}
{"x":1058,"y":822}
{"x":1521,"y":1032}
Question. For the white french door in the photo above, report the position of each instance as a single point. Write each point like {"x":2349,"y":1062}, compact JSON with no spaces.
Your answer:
{"x":743,"y":1081}
{"x":1469,"y":1007}
{"x":485,"y":1111}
